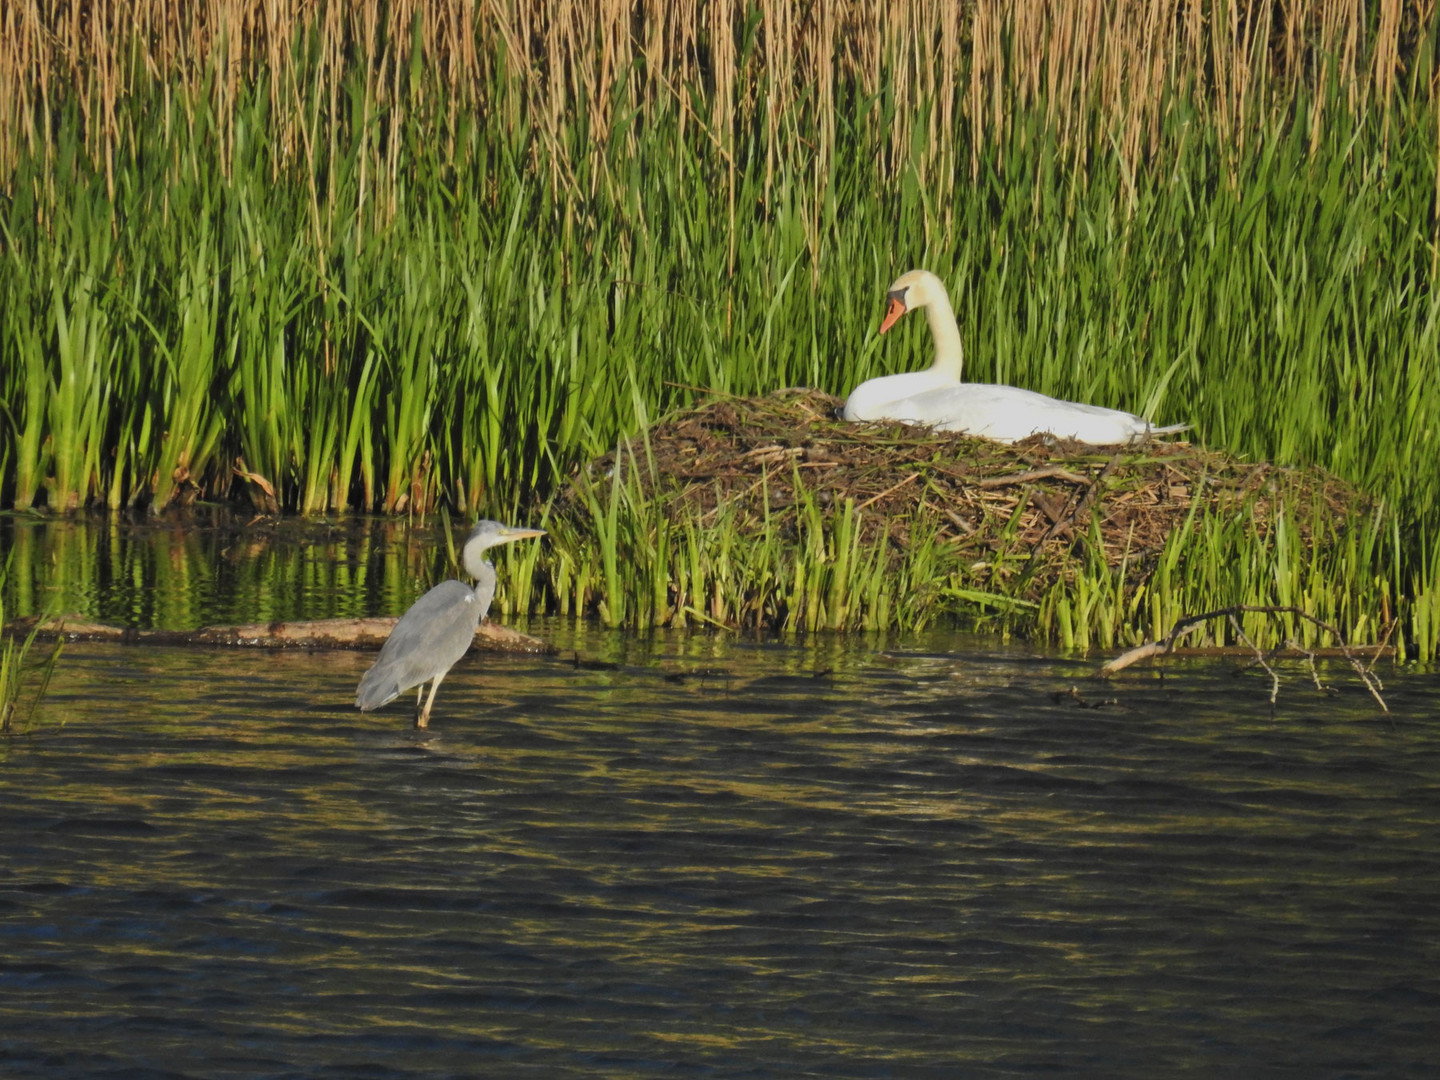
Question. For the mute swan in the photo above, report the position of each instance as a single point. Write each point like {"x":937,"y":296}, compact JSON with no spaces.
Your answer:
{"x":937,"y":398}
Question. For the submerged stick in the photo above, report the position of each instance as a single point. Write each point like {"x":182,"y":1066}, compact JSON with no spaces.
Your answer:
{"x":1290,"y":651}
{"x":1189,"y":623}
{"x":314,"y":634}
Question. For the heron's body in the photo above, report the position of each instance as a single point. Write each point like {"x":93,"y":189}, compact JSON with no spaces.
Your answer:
{"x":438,"y":629}
{"x":937,"y":398}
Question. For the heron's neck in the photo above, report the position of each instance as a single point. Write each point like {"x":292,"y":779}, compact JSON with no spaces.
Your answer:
{"x":941,"y":317}
{"x":484,"y":575}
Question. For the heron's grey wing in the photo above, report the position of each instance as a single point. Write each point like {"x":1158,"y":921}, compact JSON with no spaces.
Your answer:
{"x":426,"y":642}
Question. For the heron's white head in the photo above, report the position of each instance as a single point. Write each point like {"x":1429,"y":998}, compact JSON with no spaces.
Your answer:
{"x":911,"y":290}
{"x":488,"y":534}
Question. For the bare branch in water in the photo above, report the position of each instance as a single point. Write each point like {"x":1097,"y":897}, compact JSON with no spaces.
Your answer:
{"x":1190,"y":623}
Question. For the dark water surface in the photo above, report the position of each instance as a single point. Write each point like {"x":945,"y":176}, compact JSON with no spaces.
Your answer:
{"x":718,"y":857}
{"x":921,"y":864}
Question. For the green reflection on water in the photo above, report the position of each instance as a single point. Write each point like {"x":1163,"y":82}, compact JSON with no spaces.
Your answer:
{"x":211,"y":568}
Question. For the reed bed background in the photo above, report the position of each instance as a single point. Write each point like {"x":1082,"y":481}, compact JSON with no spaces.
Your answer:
{"x":390,"y":257}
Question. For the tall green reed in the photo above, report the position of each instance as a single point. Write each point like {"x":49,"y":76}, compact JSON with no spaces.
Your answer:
{"x":499,"y":329}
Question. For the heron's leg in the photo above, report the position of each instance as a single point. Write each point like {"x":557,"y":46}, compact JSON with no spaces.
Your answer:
{"x":422,"y":718}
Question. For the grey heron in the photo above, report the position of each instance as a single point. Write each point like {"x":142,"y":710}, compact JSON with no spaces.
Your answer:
{"x":438,"y":628}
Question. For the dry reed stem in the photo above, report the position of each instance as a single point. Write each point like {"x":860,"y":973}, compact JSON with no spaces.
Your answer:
{"x":1093,"y":68}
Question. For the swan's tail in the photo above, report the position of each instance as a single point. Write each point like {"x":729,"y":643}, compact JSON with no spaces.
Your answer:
{"x":1169,"y":429}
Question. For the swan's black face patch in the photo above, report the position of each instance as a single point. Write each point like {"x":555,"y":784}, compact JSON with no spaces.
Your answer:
{"x":895,"y":309}
{"x":898,"y":295}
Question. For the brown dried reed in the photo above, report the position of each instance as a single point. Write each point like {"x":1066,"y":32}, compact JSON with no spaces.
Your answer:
{"x":964,"y":72}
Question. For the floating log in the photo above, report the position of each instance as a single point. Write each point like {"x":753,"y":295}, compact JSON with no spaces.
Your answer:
{"x":315,"y":634}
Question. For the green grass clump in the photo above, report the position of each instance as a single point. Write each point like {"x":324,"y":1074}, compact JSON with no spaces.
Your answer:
{"x":813,"y":568}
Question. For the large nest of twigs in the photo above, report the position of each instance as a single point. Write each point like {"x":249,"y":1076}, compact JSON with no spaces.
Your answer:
{"x":1041,"y":493}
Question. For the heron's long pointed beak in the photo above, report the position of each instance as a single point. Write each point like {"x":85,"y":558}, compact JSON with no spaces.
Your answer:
{"x":514,"y":533}
{"x":893,"y":313}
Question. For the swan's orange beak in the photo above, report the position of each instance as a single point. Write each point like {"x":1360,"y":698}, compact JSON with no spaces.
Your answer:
{"x":893,"y":313}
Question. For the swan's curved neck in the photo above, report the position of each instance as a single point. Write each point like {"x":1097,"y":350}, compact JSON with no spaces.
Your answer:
{"x":941,"y":317}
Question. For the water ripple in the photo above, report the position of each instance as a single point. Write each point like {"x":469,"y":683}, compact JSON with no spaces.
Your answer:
{"x":919,"y":863}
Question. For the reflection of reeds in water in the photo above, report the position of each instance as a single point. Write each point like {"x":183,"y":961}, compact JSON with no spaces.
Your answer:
{"x":214,"y":569}
{"x":385,"y":257}
{"x":17,"y":716}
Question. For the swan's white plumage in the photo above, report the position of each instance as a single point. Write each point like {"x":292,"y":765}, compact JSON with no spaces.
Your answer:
{"x":937,"y":398}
